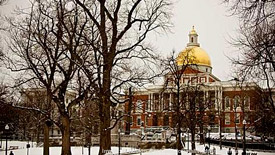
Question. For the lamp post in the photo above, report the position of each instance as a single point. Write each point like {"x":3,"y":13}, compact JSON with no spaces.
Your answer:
{"x":7,"y":129}
{"x":209,"y":129}
{"x":188,"y":139}
{"x":244,"y":149}
{"x":1,"y":139}
{"x":119,"y":141}
{"x":89,"y":148}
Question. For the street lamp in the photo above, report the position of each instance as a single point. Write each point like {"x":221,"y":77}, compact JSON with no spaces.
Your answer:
{"x":119,"y":141}
{"x":244,"y":149}
{"x":1,"y":132}
{"x":7,"y":129}
{"x":188,"y":139}
{"x":209,"y":129}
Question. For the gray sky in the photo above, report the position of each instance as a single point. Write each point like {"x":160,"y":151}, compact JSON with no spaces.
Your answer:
{"x":212,"y":23}
{"x":214,"y":27}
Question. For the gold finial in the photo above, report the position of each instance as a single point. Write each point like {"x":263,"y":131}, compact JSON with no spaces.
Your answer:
{"x":193,"y":31}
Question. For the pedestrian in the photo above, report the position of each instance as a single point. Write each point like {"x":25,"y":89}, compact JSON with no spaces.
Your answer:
{"x":11,"y":153}
{"x":214,"y":151}
{"x":236,"y":152}
{"x":229,"y":152}
{"x":206,"y":149}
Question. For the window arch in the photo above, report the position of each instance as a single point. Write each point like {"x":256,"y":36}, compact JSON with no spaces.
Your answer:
{"x":138,"y":106}
{"x":246,"y":102}
{"x":192,"y":39}
{"x":227,"y":102}
{"x":237,"y":100}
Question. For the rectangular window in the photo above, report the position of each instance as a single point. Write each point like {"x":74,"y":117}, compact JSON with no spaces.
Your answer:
{"x":186,"y":81}
{"x":156,"y":102}
{"x":138,"y":120}
{"x":227,"y":118}
{"x":131,"y":120}
{"x":138,"y":108}
{"x":194,"y":80}
{"x":203,"y":80}
{"x":246,"y":103}
{"x":166,"y":101}
{"x":237,"y":119}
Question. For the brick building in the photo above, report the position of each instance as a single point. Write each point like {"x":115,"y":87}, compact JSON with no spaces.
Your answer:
{"x":226,"y":103}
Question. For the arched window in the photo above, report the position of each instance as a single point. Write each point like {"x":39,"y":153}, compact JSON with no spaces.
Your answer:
{"x":246,"y":102}
{"x":227,"y":102}
{"x":237,"y":101}
{"x":192,"y":39}
{"x":166,"y":120}
{"x":138,"y":106}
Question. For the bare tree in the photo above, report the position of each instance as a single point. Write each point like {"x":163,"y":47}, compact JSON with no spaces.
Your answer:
{"x":2,"y":2}
{"x":47,"y":48}
{"x":173,"y":82}
{"x":256,"y":42}
{"x":117,"y":39}
{"x":189,"y":103}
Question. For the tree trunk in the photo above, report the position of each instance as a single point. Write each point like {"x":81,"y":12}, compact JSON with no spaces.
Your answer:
{"x":66,"y":144}
{"x":46,"y":139}
{"x":38,"y":128}
{"x":104,"y":109}
{"x":129,"y":109}
{"x":179,"y":146}
{"x":105,"y":133}
{"x":193,"y":140}
{"x":201,"y":134}
{"x":178,"y":118}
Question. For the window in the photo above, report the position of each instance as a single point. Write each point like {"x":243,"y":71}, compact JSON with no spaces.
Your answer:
{"x":194,"y":80}
{"x":237,"y":101}
{"x":166,"y":101}
{"x":192,"y":39}
{"x":138,"y":108}
{"x":156,"y":102}
{"x":138,"y":120}
{"x":155,"y":120}
{"x":186,"y":81}
{"x":227,"y":118}
{"x":131,"y":120}
{"x":227,"y":102}
{"x":246,"y":102}
{"x":166,"y":120}
{"x":227,"y":130}
{"x":237,"y":119}
{"x":203,"y":80}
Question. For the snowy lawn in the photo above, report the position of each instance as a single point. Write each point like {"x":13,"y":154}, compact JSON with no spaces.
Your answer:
{"x":94,"y":150}
{"x":55,"y":150}
{"x":200,"y":148}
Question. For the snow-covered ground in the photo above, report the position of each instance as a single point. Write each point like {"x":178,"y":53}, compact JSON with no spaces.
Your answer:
{"x":33,"y":150}
{"x":94,"y":150}
{"x":200,"y":148}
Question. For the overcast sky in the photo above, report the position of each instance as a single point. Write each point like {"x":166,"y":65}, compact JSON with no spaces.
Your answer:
{"x":212,"y":23}
{"x":214,"y":27}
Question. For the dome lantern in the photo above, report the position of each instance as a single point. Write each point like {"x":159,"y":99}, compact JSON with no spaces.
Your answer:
{"x":193,"y":38}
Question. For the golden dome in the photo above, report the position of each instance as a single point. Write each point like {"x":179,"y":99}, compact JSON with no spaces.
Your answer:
{"x":193,"y":55}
